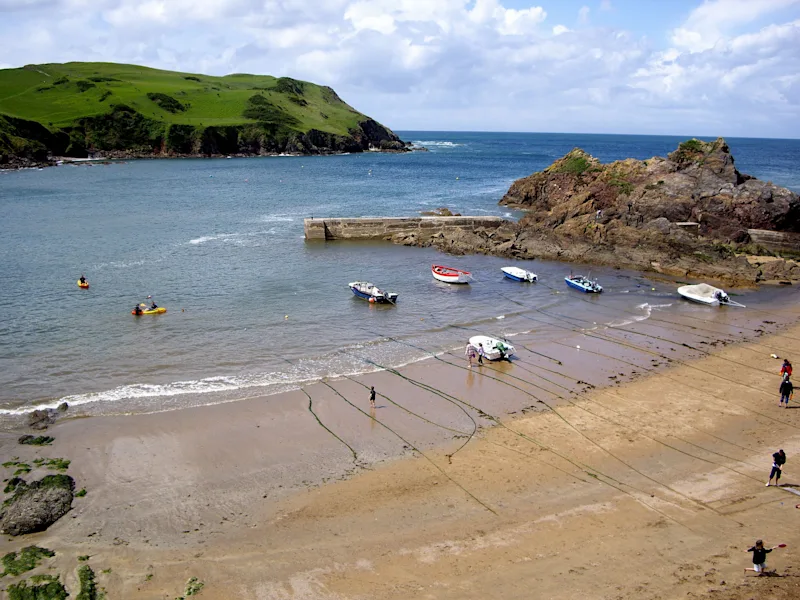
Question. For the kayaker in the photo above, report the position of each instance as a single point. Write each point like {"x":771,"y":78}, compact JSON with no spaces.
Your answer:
{"x":82,"y":280}
{"x":153,"y":305}
{"x":137,"y":310}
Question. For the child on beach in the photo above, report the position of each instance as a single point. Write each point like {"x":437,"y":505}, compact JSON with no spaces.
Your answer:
{"x":787,"y":390}
{"x":481,"y":354}
{"x":759,"y":557}
{"x":778,"y":460}
{"x":372,"y":397}
{"x":786,"y":369}
{"x":470,"y":352}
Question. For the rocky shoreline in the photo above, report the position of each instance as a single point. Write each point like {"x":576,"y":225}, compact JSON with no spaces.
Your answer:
{"x":687,"y":215}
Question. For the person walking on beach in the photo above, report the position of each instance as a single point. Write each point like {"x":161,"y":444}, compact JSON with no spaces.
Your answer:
{"x":481,"y":354}
{"x":372,"y":397}
{"x":778,"y":460}
{"x":471,"y":353}
{"x":759,"y":557}
{"x":786,"y":369}
{"x":787,"y":391}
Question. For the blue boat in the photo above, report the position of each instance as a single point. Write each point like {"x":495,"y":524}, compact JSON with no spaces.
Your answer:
{"x":371,"y":293}
{"x":584,"y":284}
{"x":517,"y":274}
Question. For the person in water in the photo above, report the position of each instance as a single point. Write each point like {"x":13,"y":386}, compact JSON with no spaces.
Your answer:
{"x":83,"y":280}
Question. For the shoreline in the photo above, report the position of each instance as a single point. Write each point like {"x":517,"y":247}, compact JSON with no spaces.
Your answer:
{"x":238,"y":493}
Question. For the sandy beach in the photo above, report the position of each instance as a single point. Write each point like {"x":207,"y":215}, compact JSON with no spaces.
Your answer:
{"x":632,"y":467}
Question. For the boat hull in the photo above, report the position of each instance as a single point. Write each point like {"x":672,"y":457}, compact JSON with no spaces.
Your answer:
{"x":490,"y":346}
{"x":582,"y":287}
{"x":382,"y":298}
{"x":515,"y":274}
{"x":448,"y":275}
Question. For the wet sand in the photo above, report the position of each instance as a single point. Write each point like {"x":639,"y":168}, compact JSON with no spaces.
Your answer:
{"x":635,"y":468}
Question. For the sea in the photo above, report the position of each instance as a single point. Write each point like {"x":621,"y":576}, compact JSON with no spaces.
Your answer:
{"x":252,"y":308}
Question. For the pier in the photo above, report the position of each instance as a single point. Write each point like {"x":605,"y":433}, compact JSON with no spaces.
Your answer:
{"x":385,"y":228}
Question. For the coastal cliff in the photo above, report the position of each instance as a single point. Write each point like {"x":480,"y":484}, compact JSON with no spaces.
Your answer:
{"x":104,"y":110}
{"x":690,"y":214}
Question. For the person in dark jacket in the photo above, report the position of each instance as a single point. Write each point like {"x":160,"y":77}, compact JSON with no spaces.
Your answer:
{"x":778,"y":460}
{"x":787,"y":390}
{"x":759,"y":557}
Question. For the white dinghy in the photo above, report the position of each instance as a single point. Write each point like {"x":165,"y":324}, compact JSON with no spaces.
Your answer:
{"x":493,"y":348}
{"x":702,"y":293}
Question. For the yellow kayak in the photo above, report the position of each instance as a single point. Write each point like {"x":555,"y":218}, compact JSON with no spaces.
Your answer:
{"x":84,"y":286}
{"x":151,"y":311}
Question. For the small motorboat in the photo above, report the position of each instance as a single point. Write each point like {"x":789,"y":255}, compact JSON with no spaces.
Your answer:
{"x":84,"y":285}
{"x":702,"y":293}
{"x":493,"y":349}
{"x":517,"y":274}
{"x":449,"y":275}
{"x":584,"y":284}
{"x":371,"y":293}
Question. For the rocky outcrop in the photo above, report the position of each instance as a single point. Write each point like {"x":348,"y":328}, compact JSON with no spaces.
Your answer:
{"x":686,"y":215}
{"x":36,"y":506}
{"x":42,"y":418}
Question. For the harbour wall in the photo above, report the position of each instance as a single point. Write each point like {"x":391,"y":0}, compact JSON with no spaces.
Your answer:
{"x":385,"y":228}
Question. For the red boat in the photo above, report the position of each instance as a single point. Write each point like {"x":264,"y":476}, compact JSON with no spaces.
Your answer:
{"x":450,"y":275}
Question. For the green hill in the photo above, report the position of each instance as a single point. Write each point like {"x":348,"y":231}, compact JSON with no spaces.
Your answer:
{"x":107,"y":109}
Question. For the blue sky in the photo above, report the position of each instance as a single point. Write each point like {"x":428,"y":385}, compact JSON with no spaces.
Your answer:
{"x":701,"y":67}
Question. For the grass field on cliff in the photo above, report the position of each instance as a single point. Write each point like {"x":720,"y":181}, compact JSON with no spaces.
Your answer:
{"x":57,"y":94}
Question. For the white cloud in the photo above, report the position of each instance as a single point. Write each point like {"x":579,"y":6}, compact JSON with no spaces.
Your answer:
{"x":456,"y":64}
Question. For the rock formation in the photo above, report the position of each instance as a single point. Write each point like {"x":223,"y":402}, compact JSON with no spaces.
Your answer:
{"x":684,"y":215}
{"x":36,"y":506}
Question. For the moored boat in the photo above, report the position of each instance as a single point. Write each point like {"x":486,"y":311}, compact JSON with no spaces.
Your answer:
{"x":517,"y":274}
{"x":584,"y":284}
{"x":371,"y":293}
{"x":493,"y":349}
{"x":702,"y":293}
{"x":450,"y":275}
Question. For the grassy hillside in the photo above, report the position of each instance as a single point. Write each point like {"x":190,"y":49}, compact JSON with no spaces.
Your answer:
{"x":113,"y":107}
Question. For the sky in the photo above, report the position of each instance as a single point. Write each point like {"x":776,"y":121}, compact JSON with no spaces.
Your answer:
{"x":681,"y":67}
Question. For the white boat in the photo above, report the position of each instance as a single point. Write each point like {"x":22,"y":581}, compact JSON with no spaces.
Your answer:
{"x":517,"y":274}
{"x":450,"y":275}
{"x":371,"y":293}
{"x":702,"y":293}
{"x":584,"y":284}
{"x":490,"y":346}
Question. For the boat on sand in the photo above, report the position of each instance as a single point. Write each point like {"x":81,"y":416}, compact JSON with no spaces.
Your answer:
{"x":493,"y":348}
{"x":702,"y":293}
{"x":450,"y":275}
{"x":371,"y":293}
{"x":517,"y":274}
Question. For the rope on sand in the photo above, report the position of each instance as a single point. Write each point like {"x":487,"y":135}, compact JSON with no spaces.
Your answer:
{"x":413,"y":447}
{"x":321,"y":424}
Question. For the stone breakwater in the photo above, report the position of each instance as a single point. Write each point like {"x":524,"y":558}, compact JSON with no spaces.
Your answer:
{"x":407,"y":230}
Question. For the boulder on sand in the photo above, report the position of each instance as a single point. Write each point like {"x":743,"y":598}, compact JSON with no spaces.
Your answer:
{"x":36,"y":506}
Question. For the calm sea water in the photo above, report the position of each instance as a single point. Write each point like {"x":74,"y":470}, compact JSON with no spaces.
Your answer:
{"x":252,"y":308}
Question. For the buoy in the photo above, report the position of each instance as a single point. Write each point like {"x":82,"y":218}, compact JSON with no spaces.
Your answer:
{"x":286,"y":317}
{"x":578,"y":347}
{"x":457,"y":178}
{"x":654,"y":289}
